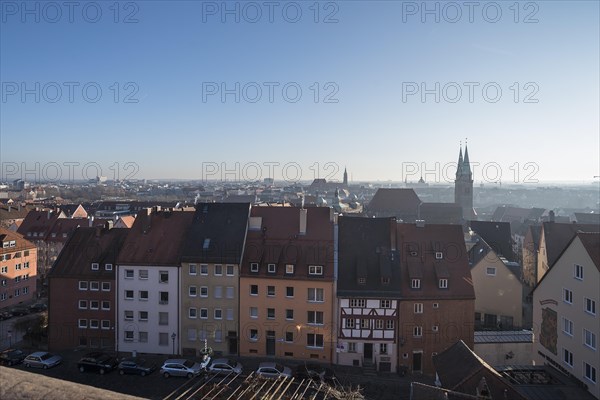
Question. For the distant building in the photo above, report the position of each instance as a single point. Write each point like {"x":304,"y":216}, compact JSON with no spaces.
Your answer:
{"x":18,"y":263}
{"x":403,"y":204}
{"x":463,"y":185}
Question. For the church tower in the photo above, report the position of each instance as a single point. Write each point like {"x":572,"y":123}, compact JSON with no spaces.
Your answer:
{"x":345,"y":177}
{"x":463,"y":185}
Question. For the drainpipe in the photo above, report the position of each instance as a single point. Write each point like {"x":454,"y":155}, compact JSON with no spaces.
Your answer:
{"x":335,"y":307}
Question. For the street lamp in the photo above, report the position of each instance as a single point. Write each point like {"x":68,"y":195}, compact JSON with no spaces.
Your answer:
{"x":173,"y":336}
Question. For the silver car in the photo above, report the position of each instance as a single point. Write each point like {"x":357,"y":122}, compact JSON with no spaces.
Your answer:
{"x":225,"y":366}
{"x":273,"y":370}
{"x":42,"y":359}
{"x":181,"y":367}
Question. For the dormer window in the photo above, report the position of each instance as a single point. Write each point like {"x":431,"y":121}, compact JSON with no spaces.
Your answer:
{"x":253,"y":267}
{"x":362,"y":281}
{"x":439,"y":255}
{"x":95,"y":266}
{"x":315,"y":270}
{"x":206,"y":244}
{"x":108,"y":267}
{"x":415,"y":283}
{"x":385,"y":280}
{"x":414,"y":254}
{"x":289,"y":269}
{"x":443,"y":284}
{"x":271,"y":268}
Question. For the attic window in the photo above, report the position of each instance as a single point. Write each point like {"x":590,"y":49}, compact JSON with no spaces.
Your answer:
{"x":271,"y":268}
{"x":108,"y":267}
{"x":289,"y":268}
{"x":253,"y":267}
{"x":206,"y":244}
{"x":385,"y":280}
{"x":362,"y":281}
{"x":12,"y":243}
{"x":315,"y":270}
{"x":414,"y":253}
{"x":439,"y":255}
{"x":415,"y":283}
{"x":95,"y":266}
{"x":443,"y":284}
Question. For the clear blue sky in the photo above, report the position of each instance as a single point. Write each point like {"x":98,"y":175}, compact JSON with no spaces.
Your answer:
{"x":371,"y":57}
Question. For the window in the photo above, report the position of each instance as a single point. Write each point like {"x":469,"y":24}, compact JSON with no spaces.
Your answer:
{"x":106,"y":286}
{"x":589,"y":338}
{"x":289,"y":269}
{"x":105,"y":305}
{"x":193,"y":269}
{"x":105,"y":324}
{"x":163,"y":277}
{"x":378,"y":324}
{"x":143,"y":295}
{"x":82,"y":323}
{"x":289,"y":314}
{"x":385,"y":304}
{"x":443,"y":283}
{"x":590,"y":306}
{"x":218,"y":270}
{"x":5,"y":270}
{"x":271,"y":268}
{"x":128,"y":274}
{"x":289,"y":337}
{"x":129,"y":336}
{"x":230,"y":270}
{"x":590,"y":372}
{"x":129,"y":295}
{"x":163,"y":318}
{"x":358,"y":303}
{"x":436,"y":305}
{"x":18,"y":279}
{"x":253,"y":312}
{"x":206,"y":244}
{"x":95,"y":266}
{"x":254,"y":334}
{"x":383,"y":348}
{"x":578,"y":271}
{"x":289,"y":291}
{"x":164,"y":298}
{"x":315,"y":270}
{"x":230,"y":292}
{"x":270,"y":290}
{"x":435,"y":328}
{"x":25,"y":290}
{"x":83,"y":304}
{"x":314,"y":340}
{"x":491,"y":271}
{"x":362,"y":281}
{"x":567,"y":326}
{"x":389,"y":324}
{"x":351,"y":347}
{"x":567,"y":296}
{"x":143,"y":315}
{"x":204,"y":313}
{"x":128,"y":315}
{"x":203,"y":269}
{"x":163,"y":339}
{"x":83,"y":285}
{"x":17,"y":266}
{"x":94,"y":285}
{"x":415,"y":283}
{"x":192,"y":291}
{"x":315,"y":317}
{"x":143,"y":274}
{"x":315,"y":295}
{"x":192,"y":312}
{"x":218,"y":313}
{"x":218,"y":292}
{"x":417,"y":331}
{"x":26,"y":264}
{"x":418,"y":307}
{"x":203,"y":291}
{"x":229,"y":314}
{"x":439,"y":255}
{"x":365,"y":323}
{"x":350,"y":323}
{"x":108,"y":267}
{"x":254,"y":290}
{"x":192,"y":334}
{"x":26,"y":253}
{"x":568,"y":357}
{"x":270,"y":313}
{"x":385,"y":280}
{"x":4,"y":283}
{"x":253,"y":267}
{"x":94,"y":305}
{"x":94,"y":324}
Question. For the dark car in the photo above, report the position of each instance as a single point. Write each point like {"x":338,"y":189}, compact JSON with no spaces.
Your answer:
{"x":315,"y":372}
{"x":19,"y":311}
{"x":97,"y":362}
{"x":12,"y":357}
{"x":136,"y":366}
{"x":5,"y":315}
{"x":38,"y":307}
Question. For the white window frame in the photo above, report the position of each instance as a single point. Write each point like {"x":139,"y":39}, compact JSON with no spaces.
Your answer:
{"x":83,"y":285}
{"x":82,"y":323}
{"x":95,"y":266}
{"x":418,"y":308}
{"x":108,"y":267}
{"x":443,"y":284}
{"x":106,"y":286}
{"x":417,"y":331}
{"x":567,"y":296}
{"x":578,"y":272}
{"x":315,"y":298}
{"x":415,"y":283}
{"x":566,"y":359}
{"x":289,"y":269}
{"x":193,"y":269}
{"x":218,"y":266}
{"x":271,"y":268}
{"x":204,"y":269}
{"x":592,"y":371}
{"x":592,"y":345}
{"x":253,"y":267}
{"x":85,"y":306}
{"x":567,"y":326}
{"x":315,"y":270}
{"x":490,"y":271}
{"x":591,"y":304}
{"x":232,"y":267}
{"x":129,"y":274}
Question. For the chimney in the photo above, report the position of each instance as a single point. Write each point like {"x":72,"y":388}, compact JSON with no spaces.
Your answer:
{"x":91,"y":221}
{"x":19,"y":206}
{"x":551,"y":215}
{"x":303,"y":215}
{"x":49,"y":213}
{"x":147,"y":221}
{"x":9,"y":207}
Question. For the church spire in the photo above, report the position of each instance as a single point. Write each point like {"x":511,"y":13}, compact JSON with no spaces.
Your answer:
{"x":466,"y":169}
{"x":460,"y":162}
{"x":345,"y":177}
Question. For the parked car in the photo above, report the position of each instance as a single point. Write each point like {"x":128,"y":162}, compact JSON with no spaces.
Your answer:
{"x":137,"y":366}
{"x":5,"y":315}
{"x":19,"y":311}
{"x":38,"y":307}
{"x":11,"y":357}
{"x":42,"y":359}
{"x":224,"y":366}
{"x":315,"y":372}
{"x":273,"y":370}
{"x":98,"y":362}
{"x":181,"y":367}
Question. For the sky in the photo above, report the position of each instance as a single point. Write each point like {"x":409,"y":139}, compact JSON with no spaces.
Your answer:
{"x":298,"y":90}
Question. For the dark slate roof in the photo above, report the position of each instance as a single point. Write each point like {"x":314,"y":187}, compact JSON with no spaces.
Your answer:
{"x":225,"y":225}
{"x":156,"y":238}
{"x":557,"y":236}
{"x":461,"y":370}
{"x":591,"y":242}
{"x":441,"y":213}
{"x":38,"y":222}
{"x":395,"y":202}
{"x":497,"y":235}
{"x":365,"y":252}
{"x":13,"y":211}
{"x":587,"y":218}
{"x":86,"y":246}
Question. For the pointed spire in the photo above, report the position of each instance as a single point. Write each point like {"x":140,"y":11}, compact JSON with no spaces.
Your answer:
{"x":466,"y":163}
{"x":460,"y":162}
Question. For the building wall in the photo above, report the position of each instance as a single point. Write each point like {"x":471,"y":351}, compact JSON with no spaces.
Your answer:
{"x":298,"y":327}
{"x":152,"y":327}
{"x":548,"y":302}
{"x":500,"y":294}
{"x":498,"y":354}
{"x":17,"y":274}
{"x":454,"y":321}
{"x":221,"y":333}
{"x":542,"y":259}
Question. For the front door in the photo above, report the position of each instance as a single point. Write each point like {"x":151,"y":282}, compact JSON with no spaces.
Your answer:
{"x":417,"y":362}
{"x":270,"y":343}
{"x":368,"y":351}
